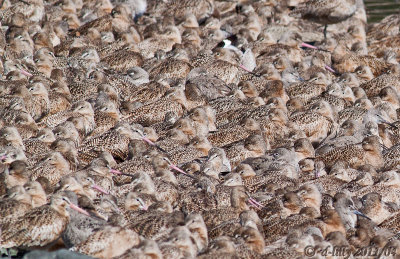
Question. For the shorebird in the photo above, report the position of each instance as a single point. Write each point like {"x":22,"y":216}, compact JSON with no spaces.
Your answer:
{"x":244,"y":129}
{"x":375,"y":208}
{"x":123,"y":60}
{"x":45,"y":223}
{"x":106,"y":116}
{"x":180,"y":243}
{"x":316,"y":124}
{"x":174,"y":100}
{"x":385,"y":187}
{"x":220,"y":247}
{"x":37,"y":193}
{"x":16,"y":174}
{"x":11,"y":136}
{"x":276,"y":228}
{"x":326,"y":12}
{"x":164,"y":41}
{"x":53,"y":167}
{"x":156,"y":223}
{"x":81,"y":109}
{"x":252,"y":146}
{"x":109,"y":242}
{"x":17,"y":203}
{"x":197,"y":227}
{"x":40,"y":144}
{"x":289,"y":204}
{"x":369,"y":153}
{"x":146,"y":247}
{"x":59,"y":97}
{"x":238,"y":204}
{"x":115,"y":141}
{"x":32,"y":10}
{"x":80,"y":226}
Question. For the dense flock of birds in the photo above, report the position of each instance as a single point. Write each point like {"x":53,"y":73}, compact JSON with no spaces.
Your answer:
{"x":198,"y":128}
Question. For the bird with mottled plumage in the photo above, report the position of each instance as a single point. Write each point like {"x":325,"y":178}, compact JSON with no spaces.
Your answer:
{"x":201,"y":9}
{"x":146,"y":248}
{"x":79,"y":109}
{"x":224,"y":137}
{"x":197,"y":147}
{"x":308,"y":89}
{"x":122,"y":60}
{"x":39,"y":227}
{"x":80,"y":226}
{"x":386,"y":187}
{"x":179,"y":243}
{"x":53,"y":167}
{"x":376,"y":209}
{"x":109,"y":242}
{"x":374,"y":86}
{"x":316,"y":126}
{"x":105,"y":23}
{"x":222,"y":69}
{"x":215,"y":217}
{"x":157,"y":224}
{"x":174,"y":100}
{"x":170,"y":69}
{"x":220,"y":247}
{"x":40,"y":105}
{"x":163,"y":41}
{"x":16,"y":204}
{"x":40,"y":144}
{"x":252,"y":146}
{"x":59,"y":97}
{"x":106,"y":116}
{"x":369,"y":153}
{"x":15,"y":174}
{"x":326,"y":12}
{"x":37,"y":193}
{"x":349,"y":62}
{"x":32,"y":10}
{"x":147,"y":93}
{"x":116,"y":141}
